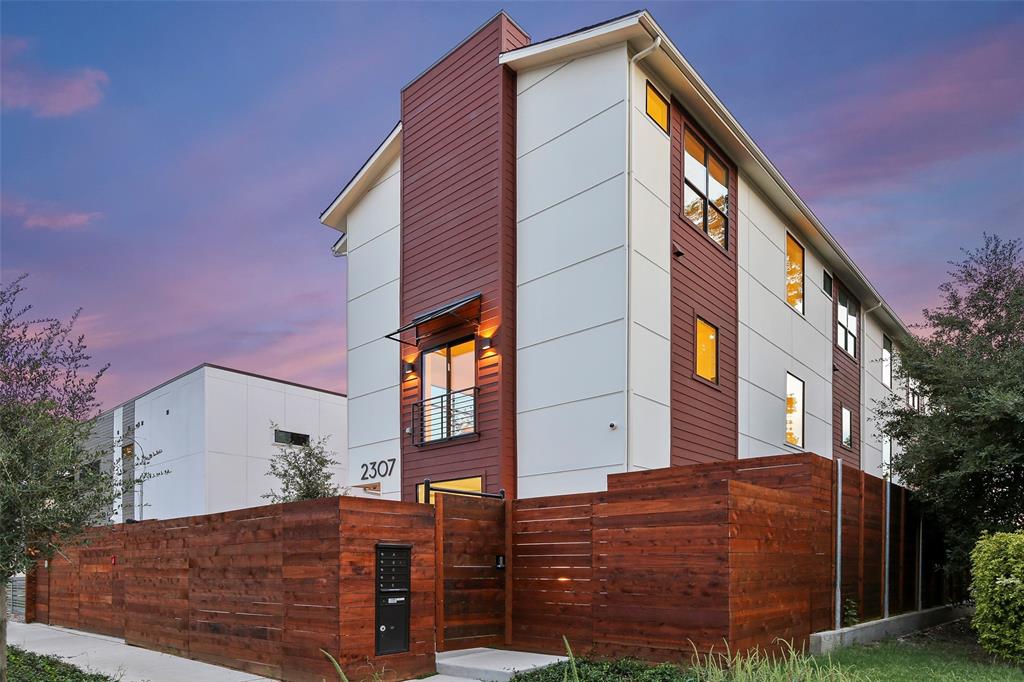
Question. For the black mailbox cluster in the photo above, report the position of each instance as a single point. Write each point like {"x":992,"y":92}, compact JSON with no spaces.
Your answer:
{"x":394,"y":574}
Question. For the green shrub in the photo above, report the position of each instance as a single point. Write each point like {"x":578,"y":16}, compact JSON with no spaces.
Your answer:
{"x":25,"y":666}
{"x":997,"y":585}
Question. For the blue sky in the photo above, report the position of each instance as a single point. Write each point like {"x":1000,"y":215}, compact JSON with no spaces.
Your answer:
{"x":162,"y":165}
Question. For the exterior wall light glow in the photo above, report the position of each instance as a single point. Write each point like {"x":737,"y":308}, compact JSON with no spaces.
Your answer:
{"x":485,"y":343}
{"x":408,"y":368}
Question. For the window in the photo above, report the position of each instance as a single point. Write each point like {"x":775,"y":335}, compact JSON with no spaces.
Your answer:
{"x":846,"y":322}
{"x":886,"y":454}
{"x":794,"y":274}
{"x":473,"y":484}
{"x":657,"y":107}
{"x":886,"y":361}
{"x":705,"y":190}
{"x":448,"y":405}
{"x":707,"y":351}
{"x":847,"y":429}
{"x":794,"y":411}
{"x":913,"y":397}
{"x":826,"y":283}
{"x":290,"y":438}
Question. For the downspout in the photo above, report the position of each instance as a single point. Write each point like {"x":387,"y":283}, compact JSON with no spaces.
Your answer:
{"x":885,"y":585}
{"x":629,"y":232}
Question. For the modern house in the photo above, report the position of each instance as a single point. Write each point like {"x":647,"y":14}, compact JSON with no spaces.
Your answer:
{"x":569,"y":260}
{"x":213,"y":429}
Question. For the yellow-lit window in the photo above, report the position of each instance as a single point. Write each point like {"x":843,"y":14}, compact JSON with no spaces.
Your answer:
{"x":657,"y":107}
{"x":707,"y":351}
{"x":794,"y":411}
{"x":705,"y":190}
{"x":474,"y":484}
{"x":794,"y":274}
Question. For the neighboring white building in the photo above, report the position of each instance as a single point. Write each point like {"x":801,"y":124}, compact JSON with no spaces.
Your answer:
{"x":213,"y":429}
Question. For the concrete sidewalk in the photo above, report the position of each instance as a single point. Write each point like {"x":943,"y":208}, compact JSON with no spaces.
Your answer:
{"x":111,"y":656}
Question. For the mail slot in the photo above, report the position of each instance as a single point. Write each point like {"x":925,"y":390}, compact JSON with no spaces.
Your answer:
{"x":394,"y":571}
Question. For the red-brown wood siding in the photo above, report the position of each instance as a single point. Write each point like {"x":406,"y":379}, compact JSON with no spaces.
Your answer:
{"x":845,"y":385}
{"x":458,"y":238}
{"x":705,"y":422}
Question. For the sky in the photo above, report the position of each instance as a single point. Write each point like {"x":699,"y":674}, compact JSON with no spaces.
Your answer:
{"x":162,"y":165}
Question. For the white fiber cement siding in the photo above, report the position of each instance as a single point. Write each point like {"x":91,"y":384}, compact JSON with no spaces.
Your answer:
{"x":572,"y":251}
{"x":776,"y":339}
{"x":873,"y":392}
{"x":374,"y":362}
{"x":650,"y":285}
{"x":212,"y":430}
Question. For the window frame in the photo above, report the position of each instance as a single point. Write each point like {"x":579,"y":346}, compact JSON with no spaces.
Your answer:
{"x":803,"y":410}
{"x":843,"y":412}
{"x":697,"y":319}
{"x":886,"y":459}
{"x":652,"y":88}
{"x":913,"y":397}
{"x":420,"y":488}
{"x":845,"y":323}
{"x":291,"y":442}
{"x":832,"y":280}
{"x":887,"y":361}
{"x":803,"y":274}
{"x":688,"y":129}
{"x":421,"y":369}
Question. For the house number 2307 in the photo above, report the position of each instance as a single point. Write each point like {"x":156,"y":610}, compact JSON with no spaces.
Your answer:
{"x":378,"y":469}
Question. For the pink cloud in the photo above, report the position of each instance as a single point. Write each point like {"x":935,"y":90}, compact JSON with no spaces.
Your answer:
{"x":46,"y":94}
{"x":910,"y":114}
{"x":35,"y":216}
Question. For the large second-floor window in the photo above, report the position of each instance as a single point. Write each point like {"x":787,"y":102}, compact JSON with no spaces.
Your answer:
{"x":794,"y":274}
{"x":705,"y":190}
{"x":886,"y":361}
{"x":447,"y":408}
{"x":846,"y":322}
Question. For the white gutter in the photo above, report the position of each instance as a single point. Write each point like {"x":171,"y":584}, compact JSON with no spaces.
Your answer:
{"x":629,"y":228}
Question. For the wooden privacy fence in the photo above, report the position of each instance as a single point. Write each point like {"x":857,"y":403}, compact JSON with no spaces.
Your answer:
{"x":736,"y":553}
{"x":665,"y":561}
{"x":260,"y":589}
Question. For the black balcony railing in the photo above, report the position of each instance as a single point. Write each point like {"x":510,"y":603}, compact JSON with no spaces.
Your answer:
{"x":443,"y":417}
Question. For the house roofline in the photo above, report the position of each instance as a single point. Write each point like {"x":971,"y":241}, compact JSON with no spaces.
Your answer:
{"x":641,"y":25}
{"x":211,"y":365}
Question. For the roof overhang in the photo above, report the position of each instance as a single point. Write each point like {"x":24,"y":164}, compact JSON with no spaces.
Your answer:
{"x":638,"y":30}
{"x":366,"y":177}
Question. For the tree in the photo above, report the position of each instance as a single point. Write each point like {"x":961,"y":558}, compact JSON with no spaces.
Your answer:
{"x":963,"y":449}
{"x":51,"y":487}
{"x":303,"y":471}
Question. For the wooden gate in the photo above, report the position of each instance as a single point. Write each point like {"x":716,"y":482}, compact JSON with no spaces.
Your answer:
{"x":470,"y":586}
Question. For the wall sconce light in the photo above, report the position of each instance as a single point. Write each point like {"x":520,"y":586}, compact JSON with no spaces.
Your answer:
{"x":408,"y":368}
{"x":485,"y":343}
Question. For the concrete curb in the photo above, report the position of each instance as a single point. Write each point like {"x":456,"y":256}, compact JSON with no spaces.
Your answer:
{"x":894,"y":626}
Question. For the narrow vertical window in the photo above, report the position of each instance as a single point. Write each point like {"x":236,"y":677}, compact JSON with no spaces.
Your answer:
{"x":886,"y":361}
{"x":657,"y":107}
{"x":794,"y":411}
{"x":913,"y":397}
{"x":794,"y":274}
{"x":847,"y":429}
{"x":705,"y":190}
{"x":886,"y":454}
{"x":707,"y":351}
{"x":826,"y":283}
{"x":847,"y":311}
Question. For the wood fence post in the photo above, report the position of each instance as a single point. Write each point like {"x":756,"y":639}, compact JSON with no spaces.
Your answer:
{"x":838,"y":603}
{"x":860,"y":552}
{"x":509,"y":584}
{"x":903,"y":527}
{"x":438,"y":570}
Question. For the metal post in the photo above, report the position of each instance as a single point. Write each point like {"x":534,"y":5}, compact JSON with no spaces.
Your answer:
{"x":839,"y":546}
{"x":885,"y":583}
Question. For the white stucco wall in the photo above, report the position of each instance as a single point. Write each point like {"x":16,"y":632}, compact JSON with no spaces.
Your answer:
{"x":374,"y":362}
{"x":571,"y":327}
{"x":776,"y":339}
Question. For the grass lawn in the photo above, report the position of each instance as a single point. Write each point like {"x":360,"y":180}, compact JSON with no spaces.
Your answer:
{"x":948,"y":653}
{"x":25,"y":666}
